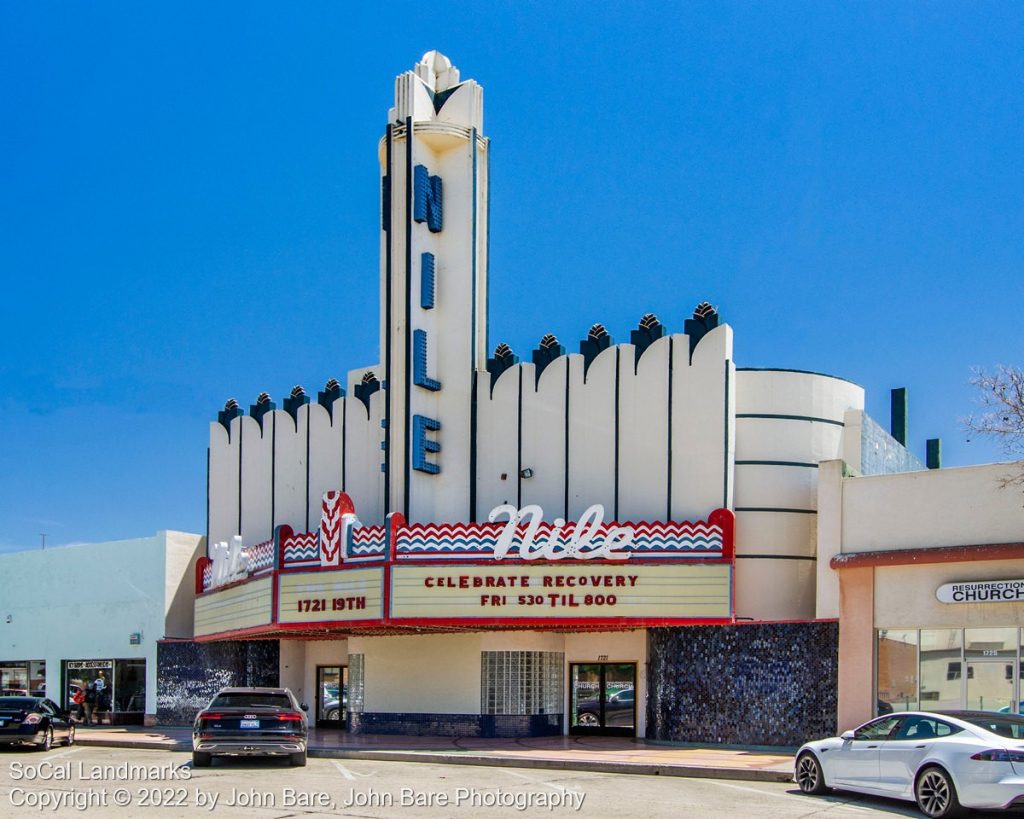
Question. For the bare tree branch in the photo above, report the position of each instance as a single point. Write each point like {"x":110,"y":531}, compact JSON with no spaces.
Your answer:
{"x":1001,"y":415}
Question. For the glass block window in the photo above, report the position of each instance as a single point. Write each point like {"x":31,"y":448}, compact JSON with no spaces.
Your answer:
{"x":356,"y":683}
{"x":521,"y":682}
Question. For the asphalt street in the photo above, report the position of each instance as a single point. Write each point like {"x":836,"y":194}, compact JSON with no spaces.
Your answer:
{"x":132,"y":783}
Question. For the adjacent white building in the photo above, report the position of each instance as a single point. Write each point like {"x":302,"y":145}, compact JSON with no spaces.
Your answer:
{"x":68,"y":613}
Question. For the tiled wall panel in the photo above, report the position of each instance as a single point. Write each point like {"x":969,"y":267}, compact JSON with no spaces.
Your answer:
{"x":189,"y":673}
{"x":756,"y":684}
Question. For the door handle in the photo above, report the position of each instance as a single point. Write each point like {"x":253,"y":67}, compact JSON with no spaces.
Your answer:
{"x":872,"y":746}
{"x":920,"y":746}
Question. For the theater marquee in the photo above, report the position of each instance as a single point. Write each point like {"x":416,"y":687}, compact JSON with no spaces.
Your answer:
{"x":519,"y":571}
{"x":601,"y":591}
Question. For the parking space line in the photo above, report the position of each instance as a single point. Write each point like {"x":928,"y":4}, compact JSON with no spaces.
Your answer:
{"x":62,"y":753}
{"x":345,"y":772}
{"x":542,"y":782}
{"x":788,"y":796}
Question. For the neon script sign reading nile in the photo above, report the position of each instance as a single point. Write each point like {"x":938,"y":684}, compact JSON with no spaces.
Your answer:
{"x":582,"y":544}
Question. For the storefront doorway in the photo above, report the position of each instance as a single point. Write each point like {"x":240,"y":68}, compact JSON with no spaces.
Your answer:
{"x":990,"y":686}
{"x":602,"y":699}
{"x":332,"y":695}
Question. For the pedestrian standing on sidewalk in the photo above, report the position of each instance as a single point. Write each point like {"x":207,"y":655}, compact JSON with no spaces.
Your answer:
{"x":90,"y":703}
{"x":102,"y":696}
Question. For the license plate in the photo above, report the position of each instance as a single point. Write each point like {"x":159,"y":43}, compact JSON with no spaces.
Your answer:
{"x":249,"y":723}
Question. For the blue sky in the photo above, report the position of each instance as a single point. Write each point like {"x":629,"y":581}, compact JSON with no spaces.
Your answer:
{"x":188,"y":209}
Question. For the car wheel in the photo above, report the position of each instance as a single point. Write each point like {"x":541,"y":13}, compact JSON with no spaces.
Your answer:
{"x":588,"y":720}
{"x":332,"y":714}
{"x":809,"y":775}
{"x":201,"y":759}
{"x":298,"y":760}
{"x":936,"y":795}
{"x":71,"y":735}
{"x":47,"y":742}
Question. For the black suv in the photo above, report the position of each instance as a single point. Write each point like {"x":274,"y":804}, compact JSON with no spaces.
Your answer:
{"x":250,"y":722}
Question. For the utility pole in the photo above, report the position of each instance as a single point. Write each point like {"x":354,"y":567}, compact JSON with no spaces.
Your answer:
{"x":43,"y":536}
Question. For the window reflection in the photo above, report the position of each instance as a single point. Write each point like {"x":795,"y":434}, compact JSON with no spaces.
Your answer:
{"x":950,"y":668}
{"x":941,"y":670}
{"x":897,"y":670}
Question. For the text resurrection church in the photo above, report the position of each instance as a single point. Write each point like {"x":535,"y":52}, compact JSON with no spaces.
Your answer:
{"x":460,"y":542}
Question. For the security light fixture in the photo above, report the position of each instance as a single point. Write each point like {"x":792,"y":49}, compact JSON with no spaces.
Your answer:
{"x":526,"y":473}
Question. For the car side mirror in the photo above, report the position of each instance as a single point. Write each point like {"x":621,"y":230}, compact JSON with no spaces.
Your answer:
{"x":304,"y":707}
{"x":846,"y":736}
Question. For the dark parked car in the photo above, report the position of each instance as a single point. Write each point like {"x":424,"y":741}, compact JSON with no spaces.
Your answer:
{"x":618,"y":710}
{"x":250,"y":722}
{"x":34,"y":721}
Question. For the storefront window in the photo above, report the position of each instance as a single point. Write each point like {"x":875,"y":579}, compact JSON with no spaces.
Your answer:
{"x":37,"y":677}
{"x":976,"y":668}
{"x":941,"y":668}
{"x":14,"y":678}
{"x":897,"y":671}
{"x":118,"y":689}
{"x":997,"y":643}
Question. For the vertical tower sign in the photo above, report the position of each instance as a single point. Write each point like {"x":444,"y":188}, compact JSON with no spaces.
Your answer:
{"x":434,"y":287}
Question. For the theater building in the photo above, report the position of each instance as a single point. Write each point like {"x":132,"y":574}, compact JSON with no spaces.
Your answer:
{"x":616,"y":537}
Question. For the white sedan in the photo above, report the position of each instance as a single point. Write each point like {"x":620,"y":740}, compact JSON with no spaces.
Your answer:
{"x":944,"y":761}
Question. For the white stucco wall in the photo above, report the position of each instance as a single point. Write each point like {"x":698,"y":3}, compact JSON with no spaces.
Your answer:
{"x":905,"y":596}
{"x":960,"y":506}
{"x":94,"y":597}
{"x":421,"y":674}
{"x":786,"y":423}
{"x":938,"y":507}
{"x":298,"y":663}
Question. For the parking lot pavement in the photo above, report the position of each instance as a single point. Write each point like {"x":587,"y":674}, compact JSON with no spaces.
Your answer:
{"x":129,"y":783}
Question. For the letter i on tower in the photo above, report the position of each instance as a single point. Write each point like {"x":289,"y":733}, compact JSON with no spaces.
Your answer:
{"x":433,"y":302}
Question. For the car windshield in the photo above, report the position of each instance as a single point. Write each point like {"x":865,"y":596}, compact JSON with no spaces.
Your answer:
{"x":18,"y":703}
{"x":1004,"y":726}
{"x":243,"y":699}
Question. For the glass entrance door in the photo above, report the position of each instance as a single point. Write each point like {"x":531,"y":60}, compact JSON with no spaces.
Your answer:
{"x":332,"y":695}
{"x":602,"y":698}
{"x":990,"y":687}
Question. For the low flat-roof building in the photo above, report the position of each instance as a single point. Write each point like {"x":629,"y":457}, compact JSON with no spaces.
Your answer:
{"x":71,"y":612}
{"x":925,"y":573}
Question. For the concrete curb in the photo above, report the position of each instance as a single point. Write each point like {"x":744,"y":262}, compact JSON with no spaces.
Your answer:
{"x":141,"y":744}
{"x":635,"y":768}
{"x":441,"y":758}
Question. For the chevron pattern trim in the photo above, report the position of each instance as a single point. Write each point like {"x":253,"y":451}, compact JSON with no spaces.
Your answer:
{"x":367,"y":542}
{"x":207,"y":576}
{"x":301,"y":550}
{"x":262,"y":557}
{"x":668,"y":539}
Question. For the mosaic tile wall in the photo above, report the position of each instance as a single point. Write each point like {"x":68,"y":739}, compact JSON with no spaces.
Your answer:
{"x":189,"y":674}
{"x":457,"y":725}
{"x":521,"y":682}
{"x":752,"y":684}
{"x":356,"y":683}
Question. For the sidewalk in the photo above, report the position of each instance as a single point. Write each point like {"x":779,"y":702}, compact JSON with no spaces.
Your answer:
{"x":605,"y":754}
